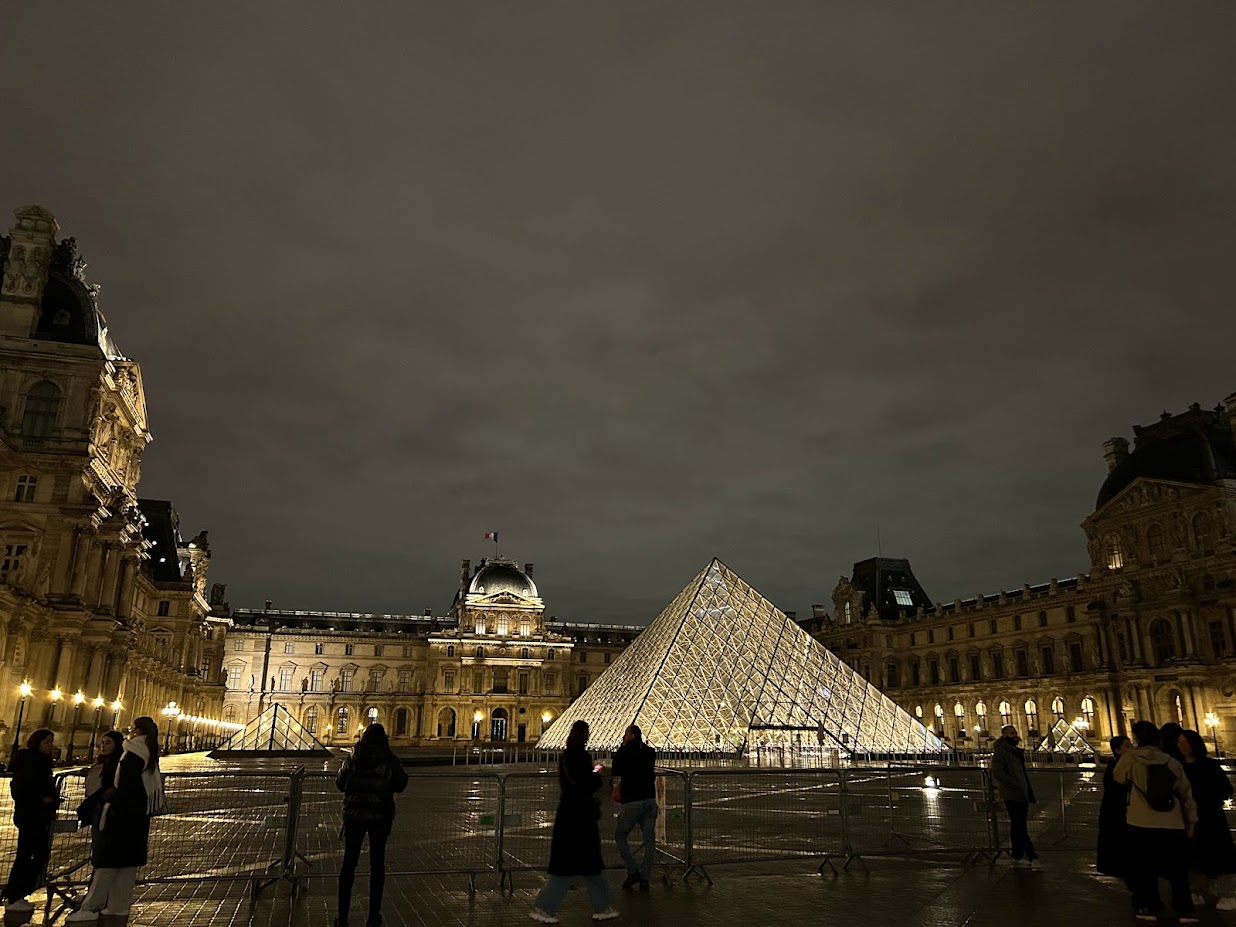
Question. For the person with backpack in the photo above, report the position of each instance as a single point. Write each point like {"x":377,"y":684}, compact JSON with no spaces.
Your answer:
{"x":369,"y":780}
{"x":635,"y":792}
{"x":1162,"y":817}
{"x":1008,"y":769}
{"x":1212,"y":854}
{"x":35,"y":799}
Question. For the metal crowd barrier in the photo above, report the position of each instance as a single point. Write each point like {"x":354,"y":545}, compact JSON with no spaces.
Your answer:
{"x":268,"y":827}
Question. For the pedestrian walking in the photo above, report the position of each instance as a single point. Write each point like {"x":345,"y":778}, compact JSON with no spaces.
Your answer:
{"x":635,"y":792}
{"x":1008,"y":769}
{"x":122,"y":835}
{"x":1112,"y":858}
{"x":369,"y":780}
{"x":1162,"y":818}
{"x":575,"y":849}
{"x":34,"y":809}
{"x":1211,"y":853}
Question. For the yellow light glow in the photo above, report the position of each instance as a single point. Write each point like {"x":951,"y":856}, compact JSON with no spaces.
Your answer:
{"x":546,"y":717}
{"x":116,"y":705}
{"x":1212,"y":719}
{"x":25,"y":690}
{"x":78,"y":698}
{"x":56,"y":694}
{"x":98,"y":701}
{"x":478,"y":717}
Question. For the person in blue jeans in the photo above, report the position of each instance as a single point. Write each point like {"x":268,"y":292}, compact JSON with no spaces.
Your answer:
{"x":635,"y":790}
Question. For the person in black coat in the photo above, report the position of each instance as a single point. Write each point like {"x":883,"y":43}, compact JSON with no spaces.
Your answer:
{"x":575,"y":849}
{"x":1112,"y":856}
{"x":1211,"y":853}
{"x":369,"y":781}
{"x":34,"y":808}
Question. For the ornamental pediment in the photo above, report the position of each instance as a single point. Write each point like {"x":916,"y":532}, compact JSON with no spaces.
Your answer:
{"x":1145,"y":493}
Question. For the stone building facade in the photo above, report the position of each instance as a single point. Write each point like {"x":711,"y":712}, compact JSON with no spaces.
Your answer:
{"x":99,"y":596}
{"x":1148,"y":631}
{"x":493,"y":670}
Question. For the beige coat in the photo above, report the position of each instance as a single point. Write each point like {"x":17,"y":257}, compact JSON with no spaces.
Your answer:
{"x":1132,"y":768}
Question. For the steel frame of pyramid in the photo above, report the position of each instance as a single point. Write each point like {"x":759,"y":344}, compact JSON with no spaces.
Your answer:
{"x":722,"y":670}
{"x":274,"y":732}
{"x":1065,"y":738}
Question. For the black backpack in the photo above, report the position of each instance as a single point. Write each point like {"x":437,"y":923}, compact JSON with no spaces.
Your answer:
{"x":1160,"y":791}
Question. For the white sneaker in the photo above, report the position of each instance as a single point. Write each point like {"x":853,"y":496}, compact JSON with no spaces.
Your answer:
{"x":607,"y":915}
{"x":20,"y":906}
{"x":1036,"y":865}
{"x":1225,"y":904}
{"x":82,"y":916}
{"x":543,"y":917}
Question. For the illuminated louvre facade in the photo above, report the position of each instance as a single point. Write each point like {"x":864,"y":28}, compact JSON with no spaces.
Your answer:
{"x":1148,"y":631}
{"x":722,"y":670}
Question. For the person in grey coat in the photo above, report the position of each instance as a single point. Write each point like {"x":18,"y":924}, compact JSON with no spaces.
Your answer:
{"x":1008,"y":769}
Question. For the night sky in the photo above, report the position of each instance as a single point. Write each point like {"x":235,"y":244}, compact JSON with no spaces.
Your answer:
{"x":637,"y":286}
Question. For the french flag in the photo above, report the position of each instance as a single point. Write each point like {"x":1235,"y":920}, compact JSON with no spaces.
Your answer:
{"x":491,"y":536}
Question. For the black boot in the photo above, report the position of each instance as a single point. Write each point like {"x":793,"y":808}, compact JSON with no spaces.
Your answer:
{"x":375,"y":920}
{"x":632,"y":880}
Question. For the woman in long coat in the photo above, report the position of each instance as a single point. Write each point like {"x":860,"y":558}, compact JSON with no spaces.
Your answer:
{"x":124,"y":826}
{"x":1211,"y":853}
{"x":34,"y":808}
{"x":1112,"y":857}
{"x":575,"y":850}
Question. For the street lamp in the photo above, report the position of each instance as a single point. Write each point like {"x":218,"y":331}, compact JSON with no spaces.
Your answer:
{"x":98,"y":710}
{"x":55,"y":695}
{"x":1212,"y":722}
{"x":25,"y":691}
{"x":171,"y":712}
{"x":78,"y":698}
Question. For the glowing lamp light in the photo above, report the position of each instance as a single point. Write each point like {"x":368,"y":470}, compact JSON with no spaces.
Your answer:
{"x":1212,"y":720}
{"x":56,"y":695}
{"x":78,"y":698}
{"x":116,"y":705}
{"x":931,"y":782}
{"x":25,"y":689}
{"x":98,"y":701}
{"x":546,"y":717}
{"x":478,"y":717}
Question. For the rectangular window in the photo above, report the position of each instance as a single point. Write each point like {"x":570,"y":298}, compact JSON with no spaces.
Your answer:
{"x":377,"y":650}
{"x":995,"y":626}
{"x":315,"y":680}
{"x":972,"y":629}
{"x":582,"y":685}
{"x":933,"y":669}
{"x":912,"y":638}
{"x":205,"y":667}
{"x":1218,"y":640}
{"x":950,"y":632}
{"x":448,"y":681}
{"x":407,"y":651}
{"x":347,"y":650}
{"x":11,"y":562}
{"x":583,"y":656}
{"x":931,"y":637}
{"x":233,"y":677}
{"x":915,"y":673}
{"x":345,"y":680}
{"x":1017,"y":622}
{"x":606,"y":660}
{"x":1042,"y":619}
{"x":997,"y":665}
{"x":319,"y":649}
{"x":523,"y":683}
{"x":954,"y":671}
{"x":375,"y":679}
{"x":238,"y":645}
{"x":890,"y":676}
{"x":285,"y":680}
{"x":26,"y":488}
{"x":550,"y":680}
{"x":976,"y":667}
{"x":289,"y":647}
{"x":478,"y":681}
{"x":1070,"y":615}
{"x":1023,"y":663}
{"x":164,"y":608}
{"x":405,"y":681}
{"x":1048,"y":658}
{"x":500,"y":681}
{"x":903,"y":597}
{"x":525,"y":627}
{"x":1075,"y":657}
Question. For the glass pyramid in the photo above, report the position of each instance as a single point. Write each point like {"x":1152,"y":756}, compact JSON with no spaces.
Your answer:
{"x":274,"y":731}
{"x":1065,"y":738}
{"x":721,"y":669}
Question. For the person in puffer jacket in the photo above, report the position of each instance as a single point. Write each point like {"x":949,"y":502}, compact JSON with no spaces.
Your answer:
{"x":369,"y":780}
{"x":1158,"y":837}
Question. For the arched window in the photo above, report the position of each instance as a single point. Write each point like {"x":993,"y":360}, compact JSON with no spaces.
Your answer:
{"x":1154,"y":542}
{"x":959,"y":710}
{"x":525,"y":627}
{"x":1111,"y":552}
{"x":1162,"y":640}
{"x":1057,"y":707}
{"x":371,"y":716}
{"x":480,"y":653}
{"x":504,"y":625}
{"x":229,"y":714}
{"x":1203,"y":533}
{"x":980,"y":710}
{"x":401,"y":722}
{"x":341,"y":721}
{"x":1006,"y":714}
{"x":847,"y":612}
{"x":450,"y":650}
{"x":446,"y":722}
{"x":918,"y":712}
{"x":480,"y":625}
{"x":524,"y":653}
{"x":311,"y":719}
{"x":42,"y":406}
{"x":1032,"y":715}
{"x":1087,"y":710}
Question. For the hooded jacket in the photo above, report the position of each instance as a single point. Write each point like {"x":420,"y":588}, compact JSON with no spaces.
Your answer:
{"x":369,"y":780}
{"x":1008,"y":768}
{"x":1132,"y":768}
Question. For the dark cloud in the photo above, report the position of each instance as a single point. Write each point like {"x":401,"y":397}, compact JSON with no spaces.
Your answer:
{"x":637,"y":285}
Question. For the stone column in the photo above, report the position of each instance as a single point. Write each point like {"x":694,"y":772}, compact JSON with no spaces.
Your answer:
{"x":99,"y":558}
{"x":94,"y":673}
{"x":128,"y":571}
{"x":81,"y":556}
{"x":1137,"y":653}
{"x":111,"y":576}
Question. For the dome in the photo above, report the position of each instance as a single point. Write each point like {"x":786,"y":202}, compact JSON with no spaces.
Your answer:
{"x":493,"y":578}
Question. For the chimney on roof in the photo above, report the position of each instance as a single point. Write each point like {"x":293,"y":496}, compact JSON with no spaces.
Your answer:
{"x":528,"y":569}
{"x":1230,"y":404}
{"x":1115,"y":452}
{"x":267,"y":606}
{"x":464,"y":567}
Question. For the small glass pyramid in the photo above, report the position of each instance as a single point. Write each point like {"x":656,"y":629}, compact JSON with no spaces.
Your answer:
{"x":1065,"y":738}
{"x":721,"y":669}
{"x":274,"y":731}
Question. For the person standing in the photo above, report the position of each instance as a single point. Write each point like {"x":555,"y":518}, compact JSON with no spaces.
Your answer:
{"x":1162,"y":818}
{"x":575,"y":849}
{"x":369,"y":780}
{"x":100,"y":777}
{"x":1008,"y":769}
{"x":635,"y":791}
{"x":1112,"y":858}
{"x":34,"y":808}
{"x":1211,"y":853}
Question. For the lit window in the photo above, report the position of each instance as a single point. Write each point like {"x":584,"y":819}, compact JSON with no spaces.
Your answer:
{"x":504,"y":626}
{"x":525,"y":627}
{"x":1057,"y":707}
{"x":405,"y":681}
{"x":26,"y":488}
{"x":1111,"y":552}
{"x":42,"y":406}
{"x":233,"y":677}
{"x":319,"y":649}
{"x":847,"y":612}
{"x":341,"y":721}
{"x":311,"y":719}
{"x":903,"y":597}
{"x":285,"y":680}
{"x":11,"y":561}
{"x":315,"y":680}
{"x":1087,"y":709}
{"x":345,"y":680}
{"x":480,"y":626}
{"x":372,"y":715}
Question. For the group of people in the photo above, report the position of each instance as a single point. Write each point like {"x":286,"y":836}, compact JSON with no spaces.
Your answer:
{"x":123,"y":790}
{"x":372,"y":776}
{"x":1163,"y":817}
